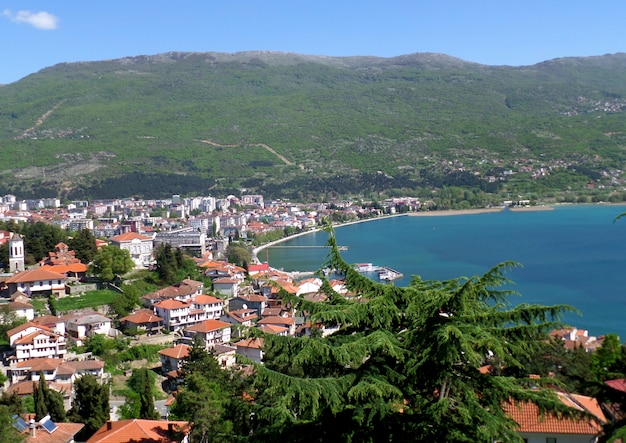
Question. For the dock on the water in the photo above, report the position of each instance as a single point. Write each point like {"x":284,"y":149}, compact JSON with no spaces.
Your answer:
{"x":384,"y":273}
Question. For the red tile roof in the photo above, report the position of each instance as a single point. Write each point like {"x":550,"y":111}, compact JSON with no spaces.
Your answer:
{"x":84,"y":365}
{"x":530,"y":420}
{"x":171,"y":304}
{"x":129,"y":236}
{"x":144,"y":431}
{"x":225,"y":281}
{"x":46,"y":320}
{"x":272,"y":329}
{"x":258,"y":268}
{"x":64,"y":269}
{"x":208,"y":326}
{"x":288,"y":286}
{"x":242,"y":315}
{"x":255,"y":343}
{"x":141,"y":317}
{"x":618,"y":384}
{"x":26,"y":387}
{"x":33,"y":275}
{"x":276,"y":320}
{"x":40,"y":364}
{"x":184,"y":288}
{"x":178,"y":352}
{"x":207,"y":300}
{"x":24,"y":327}
{"x":62,"y":434}
{"x":17,"y":305}
{"x":272,"y":312}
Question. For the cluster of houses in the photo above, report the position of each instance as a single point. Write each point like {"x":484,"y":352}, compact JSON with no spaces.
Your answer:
{"x":222,"y":323}
{"x":197,"y":224}
{"x":221,"y":319}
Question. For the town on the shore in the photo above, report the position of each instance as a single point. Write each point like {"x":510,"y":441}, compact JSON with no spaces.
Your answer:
{"x":218,"y":311}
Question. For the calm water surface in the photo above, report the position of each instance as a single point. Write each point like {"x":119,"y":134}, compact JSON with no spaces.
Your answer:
{"x":570,"y":255}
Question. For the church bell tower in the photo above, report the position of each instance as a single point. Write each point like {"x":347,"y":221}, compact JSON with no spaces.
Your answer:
{"x":16,"y":253}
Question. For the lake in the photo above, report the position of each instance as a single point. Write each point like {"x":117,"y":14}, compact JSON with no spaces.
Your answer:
{"x":570,"y":255}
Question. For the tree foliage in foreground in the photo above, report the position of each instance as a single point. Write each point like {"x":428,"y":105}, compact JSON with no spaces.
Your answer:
{"x":405,"y":363}
{"x":90,"y":406}
{"x":212,"y":398}
{"x":172,"y":265}
{"x":83,"y":243}
{"x":9,"y":433}
{"x":47,"y":401}
{"x":111,"y":261}
{"x":239,"y":254}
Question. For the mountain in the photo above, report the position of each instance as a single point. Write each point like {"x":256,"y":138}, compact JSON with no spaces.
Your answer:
{"x":297,"y":125}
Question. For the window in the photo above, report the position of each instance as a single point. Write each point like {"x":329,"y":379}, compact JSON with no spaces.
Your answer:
{"x":550,"y":440}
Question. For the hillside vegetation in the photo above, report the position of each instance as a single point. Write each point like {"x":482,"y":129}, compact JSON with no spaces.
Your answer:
{"x":289,"y":125}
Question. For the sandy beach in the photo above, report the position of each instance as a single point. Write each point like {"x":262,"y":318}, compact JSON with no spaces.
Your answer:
{"x":448,"y":212}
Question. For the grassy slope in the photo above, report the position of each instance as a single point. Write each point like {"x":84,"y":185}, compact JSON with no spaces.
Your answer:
{"x":90,"y":121}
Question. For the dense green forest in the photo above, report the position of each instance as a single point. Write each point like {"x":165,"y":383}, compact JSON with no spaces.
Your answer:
{"x":312,"y":127}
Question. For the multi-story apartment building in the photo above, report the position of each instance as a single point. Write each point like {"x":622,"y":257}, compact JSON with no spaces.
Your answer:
{"x":33,"y":341}
{"x":187,"y":238}
{"x":178,"y":315}
{"x":211,"y":332}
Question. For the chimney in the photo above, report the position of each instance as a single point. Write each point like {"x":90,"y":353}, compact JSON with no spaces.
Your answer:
{"x":32,"y":428}
{"x":109,"y":425}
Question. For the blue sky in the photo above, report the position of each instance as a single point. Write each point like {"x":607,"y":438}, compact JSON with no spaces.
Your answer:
{"x":38,"y":34}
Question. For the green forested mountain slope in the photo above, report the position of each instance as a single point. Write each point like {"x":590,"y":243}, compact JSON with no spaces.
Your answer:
{"x":289,"y":124}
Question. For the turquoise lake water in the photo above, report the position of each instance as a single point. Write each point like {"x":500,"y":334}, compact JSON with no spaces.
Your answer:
{"x":570,"y":255}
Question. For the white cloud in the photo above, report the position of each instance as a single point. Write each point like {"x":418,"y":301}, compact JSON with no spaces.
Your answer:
{"x":40,"y":20}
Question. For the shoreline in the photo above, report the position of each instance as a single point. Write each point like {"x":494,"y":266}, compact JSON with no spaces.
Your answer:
{"x":255,"y":251}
